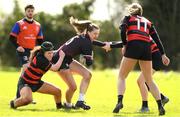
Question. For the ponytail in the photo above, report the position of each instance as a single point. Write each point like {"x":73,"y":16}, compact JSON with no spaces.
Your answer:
{"x":79,"y":26}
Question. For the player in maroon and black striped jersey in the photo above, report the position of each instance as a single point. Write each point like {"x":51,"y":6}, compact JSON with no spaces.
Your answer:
{"x":157,"y":64}
{"x":137,"y":48}
{"x":30,"y":80}
{"x":79,"y":44}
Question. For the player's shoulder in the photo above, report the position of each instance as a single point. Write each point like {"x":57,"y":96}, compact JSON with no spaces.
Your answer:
{"x":37,"y":23}
{"x":126,"y":17}
{"x":20,"y":22}
{"x":145,"y":19}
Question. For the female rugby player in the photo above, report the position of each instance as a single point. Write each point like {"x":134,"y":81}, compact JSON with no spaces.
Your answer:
{"x":30,"y":80}
{"x":137,"y":48}
{"x":87,"y":33}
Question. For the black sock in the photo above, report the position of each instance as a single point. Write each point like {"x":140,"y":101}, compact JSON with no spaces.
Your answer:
{"x":120,"y":97}
{"x":12,"y":104}
{"x":162,"y":96}
{"x":159,"y":104}
{"x":145,"y":104}
{"x":59,"y":105}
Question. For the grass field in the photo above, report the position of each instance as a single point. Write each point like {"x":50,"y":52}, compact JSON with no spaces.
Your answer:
{"x":101,"y":96}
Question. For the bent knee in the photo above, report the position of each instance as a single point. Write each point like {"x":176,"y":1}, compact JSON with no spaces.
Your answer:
{"x":57,"y":92}
{"x":139,"y":81}
{"x":87,"y":76}
{"x":73,"y":88}
{"x":27,"y":100}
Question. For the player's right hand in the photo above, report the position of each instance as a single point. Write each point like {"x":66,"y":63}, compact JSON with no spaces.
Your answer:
{"x":123,"y":50}
{"x":20,"y":49}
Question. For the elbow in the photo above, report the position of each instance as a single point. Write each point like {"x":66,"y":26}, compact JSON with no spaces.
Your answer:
{"x":55,"y":68}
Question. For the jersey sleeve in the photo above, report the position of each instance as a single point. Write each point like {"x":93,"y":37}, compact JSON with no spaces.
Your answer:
{"x":15,"y":30}
{"x":156,"y":38}
{"x":117,"y":44}
{"x":40,"y":34}
{"x":123,"y":29}
{"x":98,"y":43}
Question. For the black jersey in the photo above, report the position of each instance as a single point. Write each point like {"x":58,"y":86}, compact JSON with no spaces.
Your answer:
{"x":77,"y":45}
{"x":37,"y":68}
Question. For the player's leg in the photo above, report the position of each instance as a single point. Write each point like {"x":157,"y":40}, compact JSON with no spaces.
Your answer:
{"x":78,"y":68}
{"x":66,"y":75}
{"x":146,"y":68}
{"x":127,"y":64}
{"x":144,"y":93}
{"x":48,"y":88}
{"x":24,"y":99}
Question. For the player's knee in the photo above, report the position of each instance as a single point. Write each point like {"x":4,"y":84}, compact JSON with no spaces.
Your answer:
{"x":73,"y":88}
{"x":27,"y":100}
{"x":149,"y":81}
{"x":122,"y":77}
{"x":139,"y":82}
{"x":87,"y":76}
{"x":58,"y":92}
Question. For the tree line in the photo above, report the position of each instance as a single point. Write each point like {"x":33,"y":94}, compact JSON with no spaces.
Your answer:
{"x":56,"y":28}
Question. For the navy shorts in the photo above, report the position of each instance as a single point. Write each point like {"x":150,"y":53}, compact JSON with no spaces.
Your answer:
{"x":140,"y":50}
{"x":34,"y":87}
{"x":23,"y":57}
{"x":157,"y":61}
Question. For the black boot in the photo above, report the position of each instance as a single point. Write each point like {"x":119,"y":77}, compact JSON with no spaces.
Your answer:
{"x":81,"y":104}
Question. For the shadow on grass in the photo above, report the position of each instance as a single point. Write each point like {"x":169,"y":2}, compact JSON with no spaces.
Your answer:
{"x":54,"y":110}
{"x":135,"y":114}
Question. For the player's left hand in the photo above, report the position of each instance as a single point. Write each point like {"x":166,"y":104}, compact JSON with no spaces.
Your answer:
{"x":165,"y":60}
{"x":107,"y":46}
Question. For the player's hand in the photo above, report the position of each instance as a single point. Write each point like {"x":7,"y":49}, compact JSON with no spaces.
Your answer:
{"x":165,"y":60}
{"x":107,"y":46}
{"x":82,"y":59}
{"x":20,"y":49}
{"x":123,"y":50}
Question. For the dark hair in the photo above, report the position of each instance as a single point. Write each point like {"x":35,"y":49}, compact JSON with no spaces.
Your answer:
{"x":82,"y":25}
{"x":29,"y":7}
{"x":45,"y":46}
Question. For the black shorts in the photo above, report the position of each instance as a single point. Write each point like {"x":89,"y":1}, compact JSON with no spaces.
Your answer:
{"x":157,"y":61}
{"x":23,"y":57}
{"x":34,"y":87}
{"x":140,"y":50}
{"x":66,"y":62}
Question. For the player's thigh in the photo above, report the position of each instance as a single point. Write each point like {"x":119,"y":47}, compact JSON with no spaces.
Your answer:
{"x":127,"y":64}
{"x":80,"y":69}
{"x":67,"y":77}
{"x":48,"y":88}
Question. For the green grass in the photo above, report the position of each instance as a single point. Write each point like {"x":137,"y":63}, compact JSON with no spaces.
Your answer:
{"x":101,"y":96}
